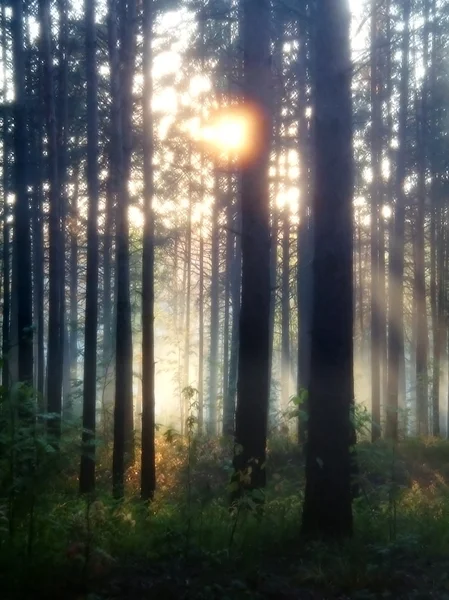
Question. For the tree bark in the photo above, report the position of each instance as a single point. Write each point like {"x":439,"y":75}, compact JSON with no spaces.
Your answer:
{"x":6,"y":250}
{"x":328,"y":457}
{"x":376,"y":157}
{"x":285,"y":325}
{"x":201,"y":321}
{"x":214,"y":315}
{"x":123,"y":337}
{"x":62,"y":137}
{"x":304,"y":234}
{"x":148,"y":475}
{"x":396,"y":271}
{"x":87,"y":472}
{"x":54,"y":352}
{"x":22,"y":289}
{"x":422,"y":333}
{"x":253,"y":377}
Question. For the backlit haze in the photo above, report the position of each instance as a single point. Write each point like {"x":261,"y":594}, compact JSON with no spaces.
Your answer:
{"x":223,"y":132}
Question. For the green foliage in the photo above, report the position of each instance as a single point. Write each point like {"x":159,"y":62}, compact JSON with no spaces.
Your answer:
{"x":53,"y":540}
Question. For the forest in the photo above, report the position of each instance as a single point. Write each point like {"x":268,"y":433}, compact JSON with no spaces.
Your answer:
{"x":224,"y":329}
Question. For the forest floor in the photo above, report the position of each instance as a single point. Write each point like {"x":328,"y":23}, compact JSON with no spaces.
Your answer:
{"x":188,"y":545}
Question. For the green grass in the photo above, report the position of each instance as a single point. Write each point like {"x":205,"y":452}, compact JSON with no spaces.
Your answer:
{"x":188,"y":544}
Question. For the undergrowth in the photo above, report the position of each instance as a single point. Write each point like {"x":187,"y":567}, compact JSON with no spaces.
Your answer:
{"x":189,"y":544}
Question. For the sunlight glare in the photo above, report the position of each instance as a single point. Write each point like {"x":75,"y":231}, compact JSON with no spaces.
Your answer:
{"x":227,"y":133}
{"x":135,"y":216}
{"x":387,"y":211}
{"x":232,"y":132}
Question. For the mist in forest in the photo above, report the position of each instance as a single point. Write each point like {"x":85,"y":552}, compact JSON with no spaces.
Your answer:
{"x":224,"y":328}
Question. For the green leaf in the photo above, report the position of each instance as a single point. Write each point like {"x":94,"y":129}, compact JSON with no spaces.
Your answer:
{"x":234,"y":486}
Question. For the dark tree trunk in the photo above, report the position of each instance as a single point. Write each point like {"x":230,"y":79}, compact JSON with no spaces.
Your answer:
{"x":35,"y":122}
{"x":304,"y":234}
{"x":62,"y":121}
{"x":6,"y":250}
{"x":22,"y":231}
{"x":128,"y":22}
{"x":6,"y":278}
{"x":121,"y":143}
{"x":148,"y":478}
{"x":116,"y":164}
{"x":273,"y":296}
{"x":87,"y":472}
{"x":328,"y":462}
{"x":109,"y":295}
{"x":107,"y":276}
{"x":38,"y":250}
{"x":73,"y":287}
{"x":253,"y":377}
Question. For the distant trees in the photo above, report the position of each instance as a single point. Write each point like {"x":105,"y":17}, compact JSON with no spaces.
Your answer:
{"x":118,"y":226}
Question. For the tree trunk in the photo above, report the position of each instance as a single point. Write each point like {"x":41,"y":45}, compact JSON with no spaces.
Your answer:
{"x":396,"y":271}
{"x":285,"y":325}
{"x":214,"y":314}
{"x":22,"y":289}
{"x":233,"y":281}
{"x":87,"y":472}
{"x":437,"y":244}
{"x":422,"y":341}
{"x":188,"y":301}
{"x":253,"y":377}
{"x":123,"y":337}
{"x":236,"y":278}
{"x":128,"y":23}
{"x":62,"y":137}
{"x":229,"y":251}
{"x":273,"y":296}
{"x":201,"y":321}
{"x":73,"y":287}
{"x":328,"y":462}
{"x":38,"y":267}
{"x":434,"y":232}
{"x":6,"y":250}
{"x":148,"y":476}
{"x":304,"y":234}
{"x":376,"y":157}
{"x":54,"y":352}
